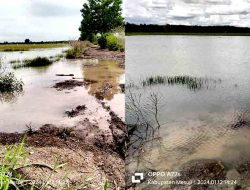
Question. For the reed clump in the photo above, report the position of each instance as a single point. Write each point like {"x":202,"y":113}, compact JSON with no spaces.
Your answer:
{"x":77,"y":49}
{"x":191,"y":82}
{"x":8,"y":82}
{"x":36,"y":62}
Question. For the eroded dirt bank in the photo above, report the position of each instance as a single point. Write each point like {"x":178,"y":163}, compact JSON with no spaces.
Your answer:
{"x":91,"y":145}
{"x":91,"y":155}
{"x":104,"y":54}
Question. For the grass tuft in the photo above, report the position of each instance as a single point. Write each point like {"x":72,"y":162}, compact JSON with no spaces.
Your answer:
{"x":36,"y":62}
{"x":9,"y":83}
{"x":192,"y":83}
{"x":77,"y":48}
{"x":9,"y":177}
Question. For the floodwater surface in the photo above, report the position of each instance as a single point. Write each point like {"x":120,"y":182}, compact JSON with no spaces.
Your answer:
{"x":200,"y":86}
{"x":41,"y":104}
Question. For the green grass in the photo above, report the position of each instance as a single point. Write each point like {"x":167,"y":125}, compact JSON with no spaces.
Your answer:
{"x":106,"y":185}
{"x":57,"y":57}
{"x":36,"y":62}
{"x":112,"y":41}
{"x":27,"y":47}
{"x":14,"y":159}
{"x":9,"y":177}
{"x":185,"y":33}
{"x":77,"y":48}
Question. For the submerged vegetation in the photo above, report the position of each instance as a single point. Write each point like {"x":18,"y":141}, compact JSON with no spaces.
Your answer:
{"x":192,"y":83}
{"x":27,"y":47}
{"x":8,"y":82}
{"x":143,"y":128}
{"x":36,"y":62}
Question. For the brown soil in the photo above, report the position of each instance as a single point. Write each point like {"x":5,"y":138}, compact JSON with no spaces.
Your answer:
{"x":79,"y":110}
{"x":70,"y":84}
{"x":91,"y":156}
{"x":101,"y":92}
{"x":104,"y":54}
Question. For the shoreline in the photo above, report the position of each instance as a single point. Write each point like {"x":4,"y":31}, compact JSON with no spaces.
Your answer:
{"x":87,"y":149}
{"x":184,"y":34}
{"x":104,"y":54}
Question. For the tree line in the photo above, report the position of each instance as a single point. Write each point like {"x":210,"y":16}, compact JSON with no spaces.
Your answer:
{"x":31,"y":42}
{"x":153,"y":28}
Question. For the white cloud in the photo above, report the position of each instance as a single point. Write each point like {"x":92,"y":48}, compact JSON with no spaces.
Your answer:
{"x":40,"y":19}
{"x":189,"y":12}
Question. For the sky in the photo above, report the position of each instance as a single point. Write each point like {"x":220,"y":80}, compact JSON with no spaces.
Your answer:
{"x":45,"y":20}
{"x":39,"y":20}
{"x":188,"y":12}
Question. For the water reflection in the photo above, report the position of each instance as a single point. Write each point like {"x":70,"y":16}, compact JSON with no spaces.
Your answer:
{"x":105,"y":78}
{"x":10,"y":97}
{"x":199,"y":119}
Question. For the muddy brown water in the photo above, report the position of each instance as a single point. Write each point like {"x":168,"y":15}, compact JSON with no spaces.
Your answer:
{"x":40,"y":104}
{"x":194,"y":123}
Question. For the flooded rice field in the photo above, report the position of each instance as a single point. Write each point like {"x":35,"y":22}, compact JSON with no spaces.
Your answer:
{"x":42,"y":102}
{"x":188,"y":102}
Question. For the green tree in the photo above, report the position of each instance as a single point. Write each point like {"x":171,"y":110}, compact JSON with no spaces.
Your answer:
{"x":100,"y":16}
{"x":27,"y":41}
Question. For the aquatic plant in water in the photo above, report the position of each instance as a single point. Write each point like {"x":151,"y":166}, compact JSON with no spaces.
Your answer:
{"x":36,"y":62}
{"x":192,"y":83}
{"x":143,"y":128}
{"x":10,"y":86}
{"x":9,"y":83}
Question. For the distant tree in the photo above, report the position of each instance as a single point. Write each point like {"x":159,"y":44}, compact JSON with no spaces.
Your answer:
{"x":27,"y":41}
{"x":100,"y":16}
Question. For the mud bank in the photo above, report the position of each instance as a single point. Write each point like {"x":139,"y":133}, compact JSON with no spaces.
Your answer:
{"x":73,"y":124}
{"x":70,"y":84}
{"x":104,"y":54}
{"x":89,"y":153}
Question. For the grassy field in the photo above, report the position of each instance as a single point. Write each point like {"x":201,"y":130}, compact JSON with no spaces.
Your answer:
{"x":185,"y":33}
{"x":27,"y":47}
